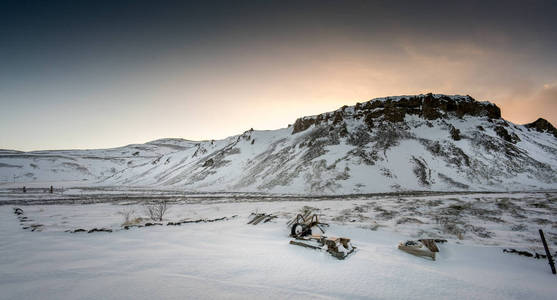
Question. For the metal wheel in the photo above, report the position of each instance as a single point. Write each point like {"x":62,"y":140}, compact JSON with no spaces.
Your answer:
{"x":298,"y":229}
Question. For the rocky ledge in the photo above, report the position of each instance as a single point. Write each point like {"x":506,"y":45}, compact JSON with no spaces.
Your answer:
{"x":394,"y":109}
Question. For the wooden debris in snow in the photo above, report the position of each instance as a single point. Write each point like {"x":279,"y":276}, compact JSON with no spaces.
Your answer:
{"x":338,"y":247}
{"x":258,"y":218}
{"x":416,"y":248}
{"x":430,"y":244}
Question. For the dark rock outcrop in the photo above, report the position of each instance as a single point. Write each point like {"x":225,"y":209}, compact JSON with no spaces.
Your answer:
{"x":542,"y":125}
{"x":429,"y":107}
{"x":338,"y":116}
{"x":455,"y":133}
{"x":302,"y":124}
{"x":208,"y":163}
{"x":504,"y":134}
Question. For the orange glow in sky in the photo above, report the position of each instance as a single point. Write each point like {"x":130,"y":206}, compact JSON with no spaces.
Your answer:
{"x":111,"y":76}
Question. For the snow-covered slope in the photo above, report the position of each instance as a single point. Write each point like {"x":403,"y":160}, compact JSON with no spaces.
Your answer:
{"x":403,"y":143}
{"x":80,"y":166}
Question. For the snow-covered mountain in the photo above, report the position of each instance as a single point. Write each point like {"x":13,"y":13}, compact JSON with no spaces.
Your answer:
{"x":402,"y":143}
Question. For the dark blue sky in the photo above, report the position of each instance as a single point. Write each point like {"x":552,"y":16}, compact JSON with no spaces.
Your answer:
{"x":80,"y":74}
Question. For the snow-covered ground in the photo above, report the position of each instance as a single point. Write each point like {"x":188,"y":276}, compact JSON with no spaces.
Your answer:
{"x":509,"y":219}
{"x":233,"y":260}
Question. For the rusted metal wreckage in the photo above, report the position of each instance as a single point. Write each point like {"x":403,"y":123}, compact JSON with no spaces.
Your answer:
{"x":301,"y":229}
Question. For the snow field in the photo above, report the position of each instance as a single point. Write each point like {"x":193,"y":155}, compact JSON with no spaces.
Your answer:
{"x":233,"y":260}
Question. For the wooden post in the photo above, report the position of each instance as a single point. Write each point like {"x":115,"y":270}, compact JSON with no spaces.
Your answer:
{"x":551,"y":263}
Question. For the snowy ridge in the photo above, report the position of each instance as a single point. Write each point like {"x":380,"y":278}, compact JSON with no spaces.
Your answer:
{"x":403,"y":143}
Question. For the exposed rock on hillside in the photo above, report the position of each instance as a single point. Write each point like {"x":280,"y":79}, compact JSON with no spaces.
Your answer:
{"x":394,"y":109}
{"x":402,"y":143}
{"x":542,"y":125}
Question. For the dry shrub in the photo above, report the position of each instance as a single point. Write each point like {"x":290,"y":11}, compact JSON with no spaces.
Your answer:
{"x":156,"y":211}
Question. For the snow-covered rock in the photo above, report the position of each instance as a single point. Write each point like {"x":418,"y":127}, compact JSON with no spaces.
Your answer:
{"x":403,"y":143}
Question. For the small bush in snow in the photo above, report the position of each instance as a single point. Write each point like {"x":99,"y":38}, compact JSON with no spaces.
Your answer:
{"x":156,"y":211}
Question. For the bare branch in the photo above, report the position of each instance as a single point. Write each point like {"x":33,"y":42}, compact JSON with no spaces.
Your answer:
{"x":157,"y":211}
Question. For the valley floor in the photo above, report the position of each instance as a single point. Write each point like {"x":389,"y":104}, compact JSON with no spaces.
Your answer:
{"x":233,"y":260}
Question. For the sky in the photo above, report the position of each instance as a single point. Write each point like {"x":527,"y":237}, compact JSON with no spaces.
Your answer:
{"x":99,"y":74}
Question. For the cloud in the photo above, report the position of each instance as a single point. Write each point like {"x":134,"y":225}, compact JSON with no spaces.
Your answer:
{"x":535,"y":102}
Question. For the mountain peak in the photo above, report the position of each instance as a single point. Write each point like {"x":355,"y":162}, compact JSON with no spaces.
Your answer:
{"x":542,"y":125}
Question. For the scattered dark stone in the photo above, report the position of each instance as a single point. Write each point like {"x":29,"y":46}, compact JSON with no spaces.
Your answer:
{"x":197,"y":221}
{"x":34,"y":227}
{"x":218,"y":219}
{"x":208,"y":162}
{"x":480,"y":128}
{"x":78,"y":230}
{"x":127,"y":227}
{"x":99,"y":230}
{"x":152,"y":224}
{"x":542,"y":125}
{"x":405,"y":220}
{"x":18,"y":211}
{"x":525,"y":253}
